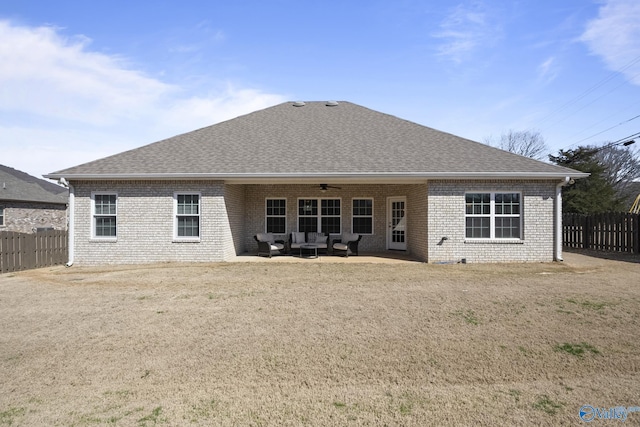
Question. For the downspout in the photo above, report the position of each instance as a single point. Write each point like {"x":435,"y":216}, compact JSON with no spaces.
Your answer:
{"x":71,"y":230}
{"x":557,"y":256}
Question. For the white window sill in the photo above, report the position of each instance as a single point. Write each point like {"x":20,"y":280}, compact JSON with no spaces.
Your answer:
{"x":494,"y":241}
{"x":184,"y":240}
{"x":103,"y":239}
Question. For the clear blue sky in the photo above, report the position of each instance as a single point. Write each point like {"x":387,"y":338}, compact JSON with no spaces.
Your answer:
{"x":80,"y":80}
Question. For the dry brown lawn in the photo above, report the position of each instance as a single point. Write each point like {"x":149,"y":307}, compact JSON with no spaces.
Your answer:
{"x":319,"y":343}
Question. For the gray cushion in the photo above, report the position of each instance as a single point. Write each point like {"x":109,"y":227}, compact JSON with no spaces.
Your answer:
{"x":265,"y":237}
{"x":349,"y":237}
{"x":340,"y":246}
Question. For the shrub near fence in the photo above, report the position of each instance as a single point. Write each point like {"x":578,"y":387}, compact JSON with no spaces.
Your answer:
{"x":21,"y":251}
{"x":612,"y":232}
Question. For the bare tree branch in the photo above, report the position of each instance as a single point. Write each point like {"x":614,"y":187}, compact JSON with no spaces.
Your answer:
{"x":525,"y":143}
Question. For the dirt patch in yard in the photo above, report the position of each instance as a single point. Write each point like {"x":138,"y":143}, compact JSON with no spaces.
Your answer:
{"x":319,"y":344}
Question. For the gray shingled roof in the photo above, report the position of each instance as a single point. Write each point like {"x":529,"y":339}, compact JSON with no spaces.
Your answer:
{"x":22,"y":187}
{"x":286,"y":140}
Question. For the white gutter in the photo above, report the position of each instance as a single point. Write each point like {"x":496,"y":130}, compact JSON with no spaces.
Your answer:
{"x":71,"y":228}
{"x":557,"y":256}
{"x":311,"y":177}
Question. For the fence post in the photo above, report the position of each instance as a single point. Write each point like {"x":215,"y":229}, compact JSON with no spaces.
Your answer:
{"x":635,"y":220}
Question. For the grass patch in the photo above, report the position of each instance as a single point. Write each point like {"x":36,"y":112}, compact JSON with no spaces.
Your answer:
{"x":469,"y":316}
{"x":515,"y":394}
{"x":544,"y":403}
{"x":578,"y":350}
{"x":597,"y":306}
{"x":8,"y":416}
{"x":204,"y":410}
{"x":153,"y":417}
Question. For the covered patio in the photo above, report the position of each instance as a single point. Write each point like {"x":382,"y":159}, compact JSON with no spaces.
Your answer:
{"x":388,"y":257}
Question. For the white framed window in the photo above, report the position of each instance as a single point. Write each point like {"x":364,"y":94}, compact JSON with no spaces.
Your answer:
{"x":362,"y":215}
{"x":1,"y":216}
{"x":320,"y":215}
{"x":104,"y":213}
{"x":187,"y":216}
{"x":494,"y":215}
{"x":276,"y":216}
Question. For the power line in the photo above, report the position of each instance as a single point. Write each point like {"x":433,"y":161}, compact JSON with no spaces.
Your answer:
{"x":599,"y":84}
{"x":606,"y":130}
{"x":604,"y":119}
{"x":590,"y":103}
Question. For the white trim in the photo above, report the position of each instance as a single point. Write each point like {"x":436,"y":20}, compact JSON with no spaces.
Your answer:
{"x":492,"y":217}
{"x":93,"y":235}
{"x":276,"y":216}
{"x":404,"y":245}
{"x":313,"y":177}
{"x":319,"y":215}
{"x":192,"y":239}
{"x":373,"y":228}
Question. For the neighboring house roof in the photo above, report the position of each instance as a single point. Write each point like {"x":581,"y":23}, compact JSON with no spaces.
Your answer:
{"x":315,"y":140}
{"x":22,"y":187}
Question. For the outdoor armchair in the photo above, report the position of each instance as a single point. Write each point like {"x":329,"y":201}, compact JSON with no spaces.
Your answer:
{"x":267,"y":245}
{"x":347,"y":244}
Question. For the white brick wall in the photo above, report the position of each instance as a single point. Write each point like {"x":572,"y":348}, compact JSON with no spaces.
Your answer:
{"x":232,"y":214}
{"x":446,"y":206}
{"x":146,"y":220}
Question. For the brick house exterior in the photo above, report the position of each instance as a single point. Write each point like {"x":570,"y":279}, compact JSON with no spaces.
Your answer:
{"x":331,"y":167}
{"x":28,"y":203}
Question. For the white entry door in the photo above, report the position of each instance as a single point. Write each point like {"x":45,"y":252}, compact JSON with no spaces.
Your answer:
{"x":396,"y":223}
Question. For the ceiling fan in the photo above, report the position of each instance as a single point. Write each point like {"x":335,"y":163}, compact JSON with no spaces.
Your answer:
{"x":325,"y":187}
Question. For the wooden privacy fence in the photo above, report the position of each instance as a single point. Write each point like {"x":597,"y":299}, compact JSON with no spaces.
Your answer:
{"x":21,"y":251}
{"x":612,"y":232}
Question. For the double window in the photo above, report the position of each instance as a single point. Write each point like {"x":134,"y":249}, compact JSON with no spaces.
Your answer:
{"x":105,"y":215}
{"x":320,"y":215}
{"x":493,"y":215}
{"x":276,"y":216}
{"x":187,"y":222}
{"x":362,"y":216}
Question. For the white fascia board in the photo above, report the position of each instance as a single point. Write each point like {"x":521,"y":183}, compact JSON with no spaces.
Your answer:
{"x":394,"y":177}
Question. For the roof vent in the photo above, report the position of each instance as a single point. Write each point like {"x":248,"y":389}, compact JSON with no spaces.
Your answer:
{"x":331,"y":103}
{"x":299,"y":104}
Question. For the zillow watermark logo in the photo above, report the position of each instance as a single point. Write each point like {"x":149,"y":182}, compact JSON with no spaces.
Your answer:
{"x":589,"y":413}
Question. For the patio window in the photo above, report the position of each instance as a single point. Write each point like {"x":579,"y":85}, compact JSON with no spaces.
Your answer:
{"x":362,"y":216}
{"x":276,"y":216}
{"x":105,"y":215}
{"x":187,"y":218}
{"x":493,"y":215}
{"x":320,"y":215}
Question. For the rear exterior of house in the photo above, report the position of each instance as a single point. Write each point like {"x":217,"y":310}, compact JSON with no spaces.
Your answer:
{"x":402,"y":186}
